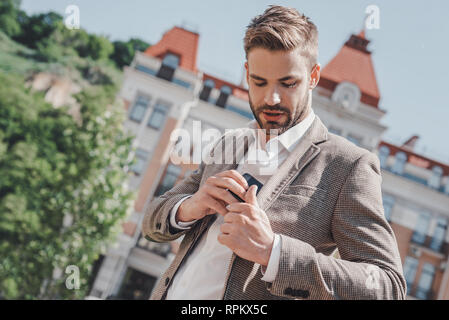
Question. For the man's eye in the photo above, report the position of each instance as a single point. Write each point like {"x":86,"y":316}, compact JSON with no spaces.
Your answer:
{"x":291,"y":85}
{"x":259,"y":84}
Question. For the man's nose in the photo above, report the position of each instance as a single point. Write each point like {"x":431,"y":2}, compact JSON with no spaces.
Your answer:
{"x":272,"y":97}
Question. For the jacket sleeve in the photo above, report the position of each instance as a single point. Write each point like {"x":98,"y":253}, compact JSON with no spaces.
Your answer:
{"x":370,"y":266}
{"x":156,"y":222}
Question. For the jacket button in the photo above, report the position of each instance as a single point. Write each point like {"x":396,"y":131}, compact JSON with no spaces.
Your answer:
{"x":158,"y":225}
{"x":167,"y":280}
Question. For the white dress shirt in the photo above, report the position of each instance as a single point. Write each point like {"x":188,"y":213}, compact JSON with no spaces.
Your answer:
{"x":202,"y":275}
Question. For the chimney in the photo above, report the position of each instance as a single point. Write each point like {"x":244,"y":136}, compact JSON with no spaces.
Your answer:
{"x":410,"y":143}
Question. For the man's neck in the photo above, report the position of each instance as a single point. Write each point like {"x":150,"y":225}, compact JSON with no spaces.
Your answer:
{"x":301,"y":118}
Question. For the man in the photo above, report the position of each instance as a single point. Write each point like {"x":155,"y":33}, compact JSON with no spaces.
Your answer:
{"x":324,"y":195}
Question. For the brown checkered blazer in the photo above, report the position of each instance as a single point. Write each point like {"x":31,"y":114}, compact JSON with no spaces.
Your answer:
{"x":326,"y":196}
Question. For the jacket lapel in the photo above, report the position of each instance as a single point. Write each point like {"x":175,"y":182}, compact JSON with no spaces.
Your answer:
{"x":306,"y":150}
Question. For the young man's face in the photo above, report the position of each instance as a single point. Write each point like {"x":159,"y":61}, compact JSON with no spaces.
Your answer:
{"x":279,"y":87}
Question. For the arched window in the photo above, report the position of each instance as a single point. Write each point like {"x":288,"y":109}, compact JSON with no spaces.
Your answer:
{"x":171,"y":60}
{"x":421,"y":228}
{"x":425,"y":281}
{"x":439,"y":234}
{"x":207,"y":89}
{"x":446,"y":189}
{"x":225,"y":92}
{"x":435,"y":179}
{"x":384,"y":152}
{"x":139,"y":108}
{"x":410,"y":268}
{"x":168,"y":67}
{"x":401,"y":159}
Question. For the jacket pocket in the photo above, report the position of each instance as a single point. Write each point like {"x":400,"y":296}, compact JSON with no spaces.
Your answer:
{"x":306,"y":191}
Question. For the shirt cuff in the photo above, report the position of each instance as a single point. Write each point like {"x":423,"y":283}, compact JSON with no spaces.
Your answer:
{"x":180,"y":224}
{"x":273,"y":264}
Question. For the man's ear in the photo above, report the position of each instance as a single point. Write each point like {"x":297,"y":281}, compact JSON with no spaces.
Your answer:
{"x":247,"y":72}
{"x":315,"y":76}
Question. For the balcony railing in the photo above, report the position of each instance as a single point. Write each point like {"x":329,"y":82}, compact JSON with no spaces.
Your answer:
{"x":430,"y":243}
{"x":416,"y":179}
{"x":154,"y":73}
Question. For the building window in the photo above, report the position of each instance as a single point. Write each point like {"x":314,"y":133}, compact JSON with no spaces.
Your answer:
{"x":435,"y":179}
{"x":410,"y":267}
{"x":207,"y":89}
{"x":157,"y":118}
{"x":168,"y":67}
{"x":419,"y":236}
{"x":171,"y":175}
{"x":439,"y":234}
{"x":399,"y":164}
{"x":141,"y":159}
{"x":136,"y":285}
{"x":388,"y":202}
{"x":384,"y":152}
{"x":225,"y":92}
{"x":446,"y":189}
{"x":425,"y":281}
{"x":139,"y":108}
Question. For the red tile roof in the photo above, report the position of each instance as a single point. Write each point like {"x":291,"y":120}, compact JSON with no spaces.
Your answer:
{"x":180,"y":42}
{"x":353,"y":64}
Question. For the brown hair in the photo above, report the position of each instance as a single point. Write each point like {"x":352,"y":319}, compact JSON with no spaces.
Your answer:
{"x":283,"y":28}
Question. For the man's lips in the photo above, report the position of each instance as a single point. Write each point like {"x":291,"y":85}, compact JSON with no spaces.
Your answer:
{"x":272,"y":115}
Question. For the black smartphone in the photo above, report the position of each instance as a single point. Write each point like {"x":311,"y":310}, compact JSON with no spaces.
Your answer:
{"x":251,"y":180}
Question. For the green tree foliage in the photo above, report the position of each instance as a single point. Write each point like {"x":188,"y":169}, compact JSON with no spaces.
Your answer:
{"x":9,"y":17}
{"x":124,"y":51}
{"x":54,"y":170}
{"x":38,"y":27}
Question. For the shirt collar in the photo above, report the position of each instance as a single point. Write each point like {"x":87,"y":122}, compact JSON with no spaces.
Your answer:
{"x":291,"y":137}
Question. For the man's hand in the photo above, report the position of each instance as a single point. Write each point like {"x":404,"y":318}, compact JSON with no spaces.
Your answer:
{"x":246,"y":230}
{"x":213,"y":196}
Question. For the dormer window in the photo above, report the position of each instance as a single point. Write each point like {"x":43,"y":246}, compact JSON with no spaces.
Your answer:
{"x":384,"y":152}
{"x":399,"y":164}
{"x":207,"y":89}
{"x":435,"y":179}
{"x":168,"y":67}
{"x":225,"y":92}
{"x":446,"y":189}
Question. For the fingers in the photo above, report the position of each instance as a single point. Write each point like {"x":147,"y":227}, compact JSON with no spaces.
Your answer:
{"x":234,"y":217}
{"x":228,"y":183}
{"x":215,"y":206}
{"x":227,"y":228}
{"x":220,"y":194}
{"x":251,"y":195}
{"x":234,"y":174}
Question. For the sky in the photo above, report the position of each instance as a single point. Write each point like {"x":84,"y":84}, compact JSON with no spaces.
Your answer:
{"x":410,"y":49}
